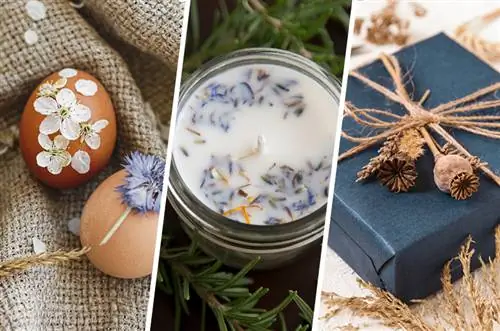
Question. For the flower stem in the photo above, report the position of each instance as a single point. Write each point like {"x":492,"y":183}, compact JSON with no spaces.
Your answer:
{"x":115,"y":226}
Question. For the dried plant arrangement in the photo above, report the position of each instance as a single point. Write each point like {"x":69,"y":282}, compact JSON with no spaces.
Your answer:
{"x":386,"y":26}
{"x":469,"y":305}
{"x":404,"y":138}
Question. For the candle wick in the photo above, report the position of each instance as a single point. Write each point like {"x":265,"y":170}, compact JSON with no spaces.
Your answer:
{"x":260,"y":144}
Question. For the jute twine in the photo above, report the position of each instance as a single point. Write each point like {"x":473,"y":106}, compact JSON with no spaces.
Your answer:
{"x":457,"y":114}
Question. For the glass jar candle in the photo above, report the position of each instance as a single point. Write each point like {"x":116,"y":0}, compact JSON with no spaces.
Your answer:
{"x":252,"y":152}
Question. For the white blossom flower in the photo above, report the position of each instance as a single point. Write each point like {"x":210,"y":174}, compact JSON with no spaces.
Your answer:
{"x":50,"y":89}
{"x":54,"y":157}
{"x":68,"y":73}
{"x":86,"y":87}
{"x":81,"y":162}
{"x":90,"y":133}
{"x":64,"y":114}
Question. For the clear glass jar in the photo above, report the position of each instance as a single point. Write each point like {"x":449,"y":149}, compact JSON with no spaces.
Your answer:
{"x":234,"y":243}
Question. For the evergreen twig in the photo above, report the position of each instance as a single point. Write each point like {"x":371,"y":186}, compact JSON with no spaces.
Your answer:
{"x":226,"y":294}
{"x":298,"y":26}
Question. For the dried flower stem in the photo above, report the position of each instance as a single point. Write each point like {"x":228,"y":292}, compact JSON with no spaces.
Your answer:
{"x":483,"y":297}
{"x":381,"y":305}
{"x":24,"y":263}
{"x":430,"y":143}
{"x":116,"y":226}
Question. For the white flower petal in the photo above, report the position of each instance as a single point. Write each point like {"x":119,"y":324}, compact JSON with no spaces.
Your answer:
{"x":44,"y":141}
{"x":80,"y":113}
{"x":74,"y":226}
{"x":45,"y":105}
{"x":47,"y":89}
{"x":50,"y":124}
{"x":99,"y":125}
{"x":93,"y":140}
{"x":30,"y":37}
{"x":55,"y":166}
{"x":70,"y":129}
{"x":60,"y":142}
{"x":86,"y":87}
{"x":36,"y":10}
{"x":65,"y":159}
{"x":38,"y":246}
{"x":81,"y":162}
{"x":43,"y":159}
{"x":65,"y":97}
{"x":60,"y":83}
{"x":68,"y":73}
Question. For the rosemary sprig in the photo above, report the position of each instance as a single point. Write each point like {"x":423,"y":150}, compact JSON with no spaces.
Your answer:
{"x":298,"y":26}
{"x":226,"y":294}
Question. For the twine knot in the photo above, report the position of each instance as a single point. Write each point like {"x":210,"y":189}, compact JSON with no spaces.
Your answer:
{"x":425,"y":116}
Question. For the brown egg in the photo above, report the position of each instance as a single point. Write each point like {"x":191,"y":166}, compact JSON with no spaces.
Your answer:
{"x":68,"y":129}
{"x":129,"y":253}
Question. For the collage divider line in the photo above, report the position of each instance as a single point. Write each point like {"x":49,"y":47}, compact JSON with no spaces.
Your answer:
{"x":324,"y":245}
{"x":168,"y":159}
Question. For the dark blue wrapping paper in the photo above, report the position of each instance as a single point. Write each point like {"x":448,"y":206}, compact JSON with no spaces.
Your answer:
{"x":400,"y":242}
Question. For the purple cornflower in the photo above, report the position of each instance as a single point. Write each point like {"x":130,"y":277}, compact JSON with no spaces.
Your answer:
{"x":143,"y":183}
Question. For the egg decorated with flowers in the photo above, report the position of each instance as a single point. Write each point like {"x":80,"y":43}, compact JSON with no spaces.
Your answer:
{"x":120,"y":219}
{"x":68,"y":129}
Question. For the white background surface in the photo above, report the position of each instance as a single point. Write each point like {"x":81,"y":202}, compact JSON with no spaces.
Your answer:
{"x":441,"y":16}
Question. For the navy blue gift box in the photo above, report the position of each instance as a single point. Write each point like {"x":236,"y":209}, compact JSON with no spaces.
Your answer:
{"x":400,"y":242}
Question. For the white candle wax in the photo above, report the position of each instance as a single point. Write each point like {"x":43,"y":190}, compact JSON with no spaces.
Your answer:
{"x":255,"y":144}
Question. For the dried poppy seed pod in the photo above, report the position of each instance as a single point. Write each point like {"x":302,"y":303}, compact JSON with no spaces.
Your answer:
{"x":447,"y":167}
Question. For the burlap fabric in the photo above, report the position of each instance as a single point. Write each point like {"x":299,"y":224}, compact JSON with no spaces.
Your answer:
{"x":131,"y":46}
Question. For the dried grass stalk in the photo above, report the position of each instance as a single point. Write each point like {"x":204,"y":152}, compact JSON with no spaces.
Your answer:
{"x":471,"y":305}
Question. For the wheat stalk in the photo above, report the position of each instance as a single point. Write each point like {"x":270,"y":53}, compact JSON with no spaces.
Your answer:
{"x":471,"y":305}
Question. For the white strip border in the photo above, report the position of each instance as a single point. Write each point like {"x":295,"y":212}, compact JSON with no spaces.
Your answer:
{"x":324,"y":245}
{"x":168,"y":158}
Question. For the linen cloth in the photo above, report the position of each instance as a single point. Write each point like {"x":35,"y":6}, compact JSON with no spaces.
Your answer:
{"x":132,"y":47}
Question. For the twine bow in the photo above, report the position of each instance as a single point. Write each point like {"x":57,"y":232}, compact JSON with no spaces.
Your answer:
{"x":457,"y":114}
